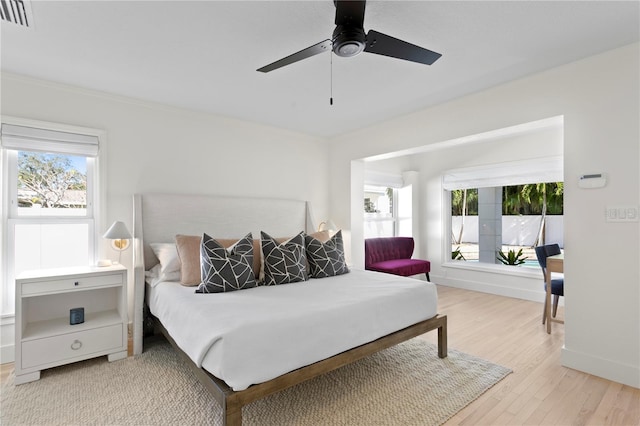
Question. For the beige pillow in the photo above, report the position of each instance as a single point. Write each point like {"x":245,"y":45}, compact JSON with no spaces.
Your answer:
{"x":188,"y":247}
{"x":189,"y":251}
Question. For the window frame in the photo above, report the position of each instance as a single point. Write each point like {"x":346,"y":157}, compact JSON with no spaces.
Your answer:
{"x":493,"y":175}
{"x":94,"y":217}
{"x":447,"y":262}
{"x":394,"y":211}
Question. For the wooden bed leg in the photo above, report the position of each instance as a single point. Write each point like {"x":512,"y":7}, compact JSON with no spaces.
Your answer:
{"x":442,"y":338}
{"x":232,"y":416}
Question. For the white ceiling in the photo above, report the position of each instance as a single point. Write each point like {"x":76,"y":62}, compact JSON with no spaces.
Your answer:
{"x":203,"y":55}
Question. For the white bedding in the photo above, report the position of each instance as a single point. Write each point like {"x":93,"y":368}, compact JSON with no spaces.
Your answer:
{"x":252,"y":336}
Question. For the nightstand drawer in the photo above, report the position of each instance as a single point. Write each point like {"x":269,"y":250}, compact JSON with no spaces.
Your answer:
{"x":72,"y":345}
{"x":72,"y":283}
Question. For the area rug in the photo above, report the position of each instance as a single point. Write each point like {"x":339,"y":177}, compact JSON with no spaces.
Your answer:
{"x":404,"y":385}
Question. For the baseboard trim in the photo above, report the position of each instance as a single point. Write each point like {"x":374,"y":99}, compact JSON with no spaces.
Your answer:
{"x":7,"y":354}
{"x":605,"y":368}
{"x":498,"y":290}
{"x":7,"y":339}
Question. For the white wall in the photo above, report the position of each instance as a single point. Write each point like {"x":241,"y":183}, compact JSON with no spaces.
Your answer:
{"x":599,"y":100}
{"x":154,"y":148}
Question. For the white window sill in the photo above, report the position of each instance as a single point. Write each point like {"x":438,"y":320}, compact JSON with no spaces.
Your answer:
{"x":518,"y":271}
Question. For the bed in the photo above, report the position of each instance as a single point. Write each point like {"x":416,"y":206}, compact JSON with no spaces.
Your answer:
{"x":298,"y":331}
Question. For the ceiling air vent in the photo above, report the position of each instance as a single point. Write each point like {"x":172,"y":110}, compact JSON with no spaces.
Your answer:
{"x":17,"y":12}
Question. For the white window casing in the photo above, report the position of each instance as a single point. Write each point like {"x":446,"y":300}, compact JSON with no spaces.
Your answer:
{"x":19,"y":134}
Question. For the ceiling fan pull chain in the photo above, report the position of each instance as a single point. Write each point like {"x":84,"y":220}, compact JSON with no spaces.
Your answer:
{"x":331,"y":79}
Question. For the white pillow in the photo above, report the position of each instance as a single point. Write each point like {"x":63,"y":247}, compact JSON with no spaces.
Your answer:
{"x":154,"y":277}
{"x":167,"y":254}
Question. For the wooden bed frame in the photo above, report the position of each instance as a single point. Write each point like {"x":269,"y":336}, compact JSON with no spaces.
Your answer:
{"x":232,"y":401}
{"x":290,"y":216}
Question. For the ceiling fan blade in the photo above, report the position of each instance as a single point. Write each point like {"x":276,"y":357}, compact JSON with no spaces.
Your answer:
{"x":349,"y":12}
{"x":382,"y":44}
{"x":323,"y":46}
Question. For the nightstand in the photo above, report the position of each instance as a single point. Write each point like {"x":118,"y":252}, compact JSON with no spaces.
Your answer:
{"x":44,"y":336}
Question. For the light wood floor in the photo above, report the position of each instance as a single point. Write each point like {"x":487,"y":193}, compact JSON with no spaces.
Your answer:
{"x":539,"y":391}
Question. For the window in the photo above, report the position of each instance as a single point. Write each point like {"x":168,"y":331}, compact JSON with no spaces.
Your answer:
{"x":387,"y":205}
{"x":379,"y":218}
{"x":404,"y":227}
{"x":387,"y":211}
{"x":49,"y":206}
{"x":529,"y":215}
{"x":505,"y":207}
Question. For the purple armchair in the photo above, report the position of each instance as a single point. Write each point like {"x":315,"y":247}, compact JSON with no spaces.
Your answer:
{"x":393,"y":256}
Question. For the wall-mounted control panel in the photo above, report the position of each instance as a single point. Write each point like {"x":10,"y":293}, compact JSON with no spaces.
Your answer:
{"x":621,"y":213}
{"x":593,"y":180}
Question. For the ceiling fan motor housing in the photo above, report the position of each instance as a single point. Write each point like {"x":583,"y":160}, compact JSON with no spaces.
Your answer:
{"x":348,"y":41}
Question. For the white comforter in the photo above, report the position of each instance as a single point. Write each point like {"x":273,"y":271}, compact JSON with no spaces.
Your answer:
{"x":252,"y":336}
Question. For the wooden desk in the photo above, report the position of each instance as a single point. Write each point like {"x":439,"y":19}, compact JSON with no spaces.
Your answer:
{"x":554,"y":264}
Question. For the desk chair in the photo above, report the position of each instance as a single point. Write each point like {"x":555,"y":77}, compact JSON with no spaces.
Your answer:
{"x":557,"y":284}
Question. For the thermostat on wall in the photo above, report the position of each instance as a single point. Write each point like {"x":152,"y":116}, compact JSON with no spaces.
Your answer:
{"x":595,"y":180}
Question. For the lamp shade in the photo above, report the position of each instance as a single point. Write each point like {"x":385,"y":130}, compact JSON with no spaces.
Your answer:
{"x":117,"y":231}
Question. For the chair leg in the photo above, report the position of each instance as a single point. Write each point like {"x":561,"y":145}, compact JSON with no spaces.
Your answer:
{"x":555,"y":305}
{"x":544,"y":312}
{"x":427,"y":274}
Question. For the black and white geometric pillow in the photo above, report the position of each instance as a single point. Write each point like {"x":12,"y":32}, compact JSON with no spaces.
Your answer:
{"x":226,"y":269}
{"x":283,"y":263}
{"x":326,"y":259}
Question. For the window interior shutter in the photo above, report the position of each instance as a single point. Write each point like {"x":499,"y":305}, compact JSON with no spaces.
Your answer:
{"x":387,"y":180}
{"x":548,"y":169}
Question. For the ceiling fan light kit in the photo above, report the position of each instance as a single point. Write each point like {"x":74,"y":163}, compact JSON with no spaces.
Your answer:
{"x":348,"y":42}
{"x":349,"y":39}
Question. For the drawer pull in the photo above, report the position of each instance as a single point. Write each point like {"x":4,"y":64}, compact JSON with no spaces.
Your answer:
{"x":77,"y":344}
{"x":76,"y":283}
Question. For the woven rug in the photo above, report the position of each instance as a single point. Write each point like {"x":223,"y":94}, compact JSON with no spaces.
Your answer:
{"x":404,"y":385}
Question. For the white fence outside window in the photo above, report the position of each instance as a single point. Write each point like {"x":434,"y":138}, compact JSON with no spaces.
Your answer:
{"x":516,"y":230}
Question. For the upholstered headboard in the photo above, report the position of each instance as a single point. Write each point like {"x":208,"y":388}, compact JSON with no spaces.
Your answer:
{"x":159,"y":218}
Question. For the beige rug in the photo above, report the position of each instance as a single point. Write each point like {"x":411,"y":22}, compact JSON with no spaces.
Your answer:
{"x":404,"y":385}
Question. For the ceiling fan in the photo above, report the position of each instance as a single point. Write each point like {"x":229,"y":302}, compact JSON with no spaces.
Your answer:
{"x":349,"y":39}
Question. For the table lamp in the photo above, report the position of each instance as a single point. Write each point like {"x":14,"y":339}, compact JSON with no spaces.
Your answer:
{"x":327,"y":226}
{"x":119,"y":236}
